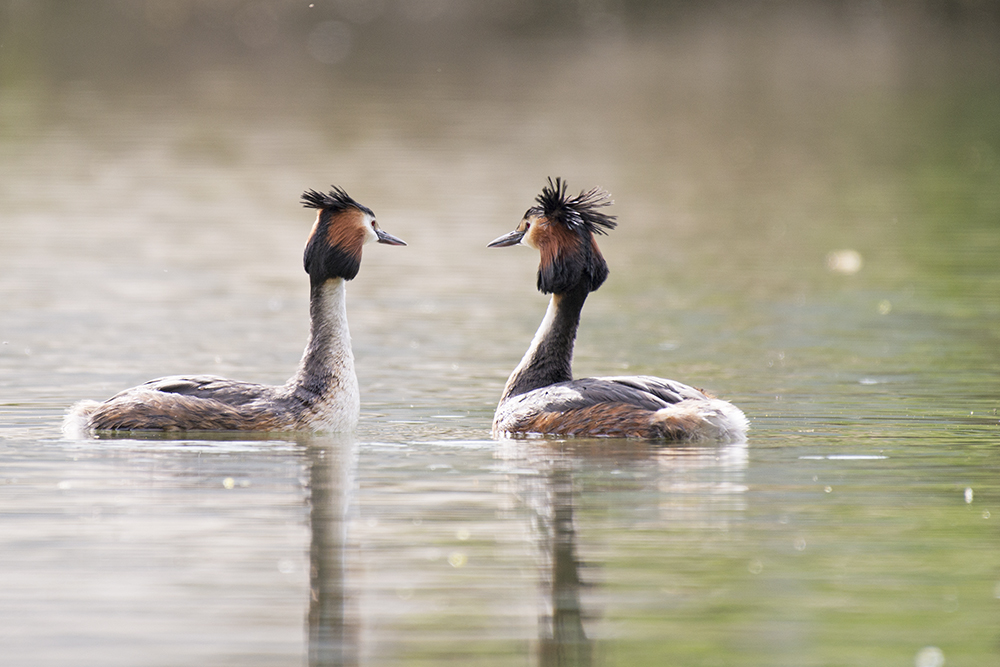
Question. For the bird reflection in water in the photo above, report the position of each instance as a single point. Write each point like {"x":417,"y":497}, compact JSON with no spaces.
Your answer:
{"x":701,"y":486}
{"x":333,"y":619}
{"x":562,"y":640}
{"x":333,"y":635}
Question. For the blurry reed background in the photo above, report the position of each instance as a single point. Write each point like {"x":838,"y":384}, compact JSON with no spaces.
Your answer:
{"x":809,"y":198}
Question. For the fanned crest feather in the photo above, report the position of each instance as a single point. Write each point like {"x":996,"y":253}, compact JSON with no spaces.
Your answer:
{"x":580,"y":213}
{"x":334,"y":201}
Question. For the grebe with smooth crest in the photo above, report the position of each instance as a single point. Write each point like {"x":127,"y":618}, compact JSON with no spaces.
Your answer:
{"x":541,"y":395}
{"x":323,"y":393}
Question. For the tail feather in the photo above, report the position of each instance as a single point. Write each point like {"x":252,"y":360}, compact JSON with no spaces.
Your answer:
{"x":710,"y":419}
{"x":76,"y":424}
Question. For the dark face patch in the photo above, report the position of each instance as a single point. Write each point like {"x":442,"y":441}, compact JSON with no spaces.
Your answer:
{"x":568,"y":259}
{"x":334,"y":246}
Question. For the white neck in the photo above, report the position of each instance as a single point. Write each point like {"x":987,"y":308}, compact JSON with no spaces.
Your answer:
{"x":326,"y":382}
{"x":549,"y":358}
{"x":541,"y":334}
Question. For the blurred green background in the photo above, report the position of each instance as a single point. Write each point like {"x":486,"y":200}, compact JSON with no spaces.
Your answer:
{"x":809,"y":199}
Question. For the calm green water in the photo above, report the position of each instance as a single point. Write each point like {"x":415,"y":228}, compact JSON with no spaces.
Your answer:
{"x":810,"y":228}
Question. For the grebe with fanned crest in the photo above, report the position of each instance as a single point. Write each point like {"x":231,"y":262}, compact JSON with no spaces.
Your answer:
{"x":323,"y":393}
{"x":541,"y":395}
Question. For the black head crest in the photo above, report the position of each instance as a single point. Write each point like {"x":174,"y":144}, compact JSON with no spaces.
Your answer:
{"x":581,"y":213}
{"x":335,"y":201}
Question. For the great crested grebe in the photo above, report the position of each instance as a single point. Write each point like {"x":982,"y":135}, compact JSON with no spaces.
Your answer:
{"x":541,"y":395}
{"x":323,"y":393}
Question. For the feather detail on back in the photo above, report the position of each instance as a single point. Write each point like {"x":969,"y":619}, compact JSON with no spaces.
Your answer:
{"x":633,"y":406}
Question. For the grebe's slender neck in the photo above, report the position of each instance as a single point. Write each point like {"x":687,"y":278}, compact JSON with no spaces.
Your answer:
{"x":549,"y":358}
{"x":326,"y":372}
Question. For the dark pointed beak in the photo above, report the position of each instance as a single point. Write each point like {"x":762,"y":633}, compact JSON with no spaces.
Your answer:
{"x":507,"y":239}
{"x":388,"y":239}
